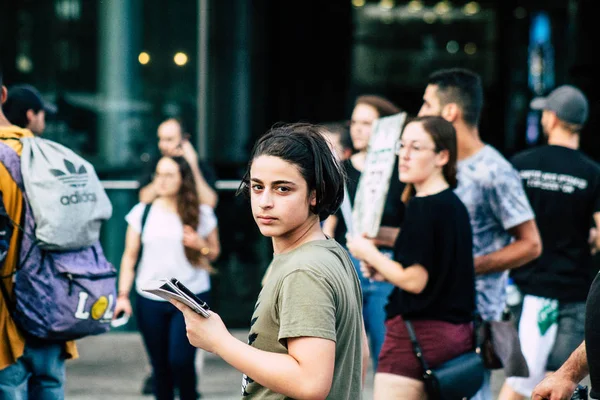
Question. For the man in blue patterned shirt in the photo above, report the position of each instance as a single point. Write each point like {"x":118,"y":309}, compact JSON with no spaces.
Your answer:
{"x":505,"y":235}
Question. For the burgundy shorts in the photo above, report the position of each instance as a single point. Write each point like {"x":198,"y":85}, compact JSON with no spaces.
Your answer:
{"x":440,"y":341}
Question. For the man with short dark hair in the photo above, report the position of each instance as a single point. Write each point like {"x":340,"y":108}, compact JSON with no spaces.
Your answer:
{"x":26,"y":108}
{"x":28,"y":369}
{"x":505,"y":235}
{"x":563,"y":187}
{"x":172,"y":141}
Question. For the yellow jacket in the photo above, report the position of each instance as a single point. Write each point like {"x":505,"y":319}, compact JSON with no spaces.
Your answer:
{"x":12,"y":342}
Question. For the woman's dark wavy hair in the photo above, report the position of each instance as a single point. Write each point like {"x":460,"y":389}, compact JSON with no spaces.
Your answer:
{"x":188,"y":207}
{"x":303,"y":145}
{"x":443,"y":135}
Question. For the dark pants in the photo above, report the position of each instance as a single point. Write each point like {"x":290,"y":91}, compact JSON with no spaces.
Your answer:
{"x":171,"y":355}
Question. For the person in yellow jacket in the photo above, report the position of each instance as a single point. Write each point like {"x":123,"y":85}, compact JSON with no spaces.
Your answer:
{"x":28,"y":368}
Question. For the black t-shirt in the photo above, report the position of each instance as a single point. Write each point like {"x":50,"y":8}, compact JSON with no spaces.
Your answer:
{"x":206,"y":169}
{"x":563,"y":187}
{"x":592,"y":336}
{"x":393,"y":212}
{"x":436,"y":233}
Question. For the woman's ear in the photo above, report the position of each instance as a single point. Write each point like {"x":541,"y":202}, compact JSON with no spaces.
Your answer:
{"x":442,"y":158}
{"x":3,"y":95}
{"x":313,"y":198}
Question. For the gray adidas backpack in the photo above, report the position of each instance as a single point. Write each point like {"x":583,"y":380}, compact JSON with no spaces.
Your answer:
{"x":67,"y":199}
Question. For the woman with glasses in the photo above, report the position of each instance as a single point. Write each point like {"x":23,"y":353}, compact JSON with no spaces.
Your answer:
{"x":432,"y":266}
{"x":178,"y":239}
{"x":366,"y":110}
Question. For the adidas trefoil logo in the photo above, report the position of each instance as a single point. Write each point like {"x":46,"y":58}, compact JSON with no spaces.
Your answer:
{"x":76,"y":178}
{"x":73,"y":177}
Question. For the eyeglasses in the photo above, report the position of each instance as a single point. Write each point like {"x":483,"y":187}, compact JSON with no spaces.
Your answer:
{"x":413,"y":147}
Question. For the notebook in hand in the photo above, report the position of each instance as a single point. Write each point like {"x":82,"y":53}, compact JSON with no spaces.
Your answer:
{"x":173,"y":289}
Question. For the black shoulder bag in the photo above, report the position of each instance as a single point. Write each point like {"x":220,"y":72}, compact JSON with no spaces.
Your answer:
{"x":458,"y":378}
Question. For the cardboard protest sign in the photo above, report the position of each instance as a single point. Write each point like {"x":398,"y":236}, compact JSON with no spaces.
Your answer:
{"x":374,"y":181}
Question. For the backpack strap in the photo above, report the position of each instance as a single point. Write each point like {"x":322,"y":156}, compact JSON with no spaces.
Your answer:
{"x":144,"y":219}
{"x":10,"y":304}
{"x":12,"y":162}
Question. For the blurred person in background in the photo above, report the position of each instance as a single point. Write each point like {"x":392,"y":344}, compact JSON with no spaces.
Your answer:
{"x":505,"y":235}
{"x":29,"y":368}
{"x":563,"y":187}
{"x":172,"y":141}
{"x":26,"y":108}
{"x":179,"y":240}
{"x":432,"y":266}
{"x":366,"y":110}
{"x":338,"y":135}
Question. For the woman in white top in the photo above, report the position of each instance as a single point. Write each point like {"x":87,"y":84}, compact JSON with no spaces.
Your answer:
{"x":180,"y":240}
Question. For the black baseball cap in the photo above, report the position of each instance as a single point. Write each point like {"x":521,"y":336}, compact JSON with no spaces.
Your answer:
{"x":25,"y":97}
{"x":568,"y":102}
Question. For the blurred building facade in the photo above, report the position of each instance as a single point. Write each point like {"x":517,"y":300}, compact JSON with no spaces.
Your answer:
{"x":232,"y":68}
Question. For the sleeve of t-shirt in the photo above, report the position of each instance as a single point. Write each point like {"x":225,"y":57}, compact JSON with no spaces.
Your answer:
{"x":208,"y":220}
{"x":134,"y":217}
{"x":306,"y":304}
{"x":508,"y":200}
{"x":420,"y":247}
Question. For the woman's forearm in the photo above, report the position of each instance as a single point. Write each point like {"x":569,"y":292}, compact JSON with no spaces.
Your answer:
{"x":411,"y":279}
{"x":126,"y":274}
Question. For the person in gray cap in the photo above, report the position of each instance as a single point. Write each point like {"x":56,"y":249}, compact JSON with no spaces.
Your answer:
{"x":563,"y":187}
{"x":26,"y":108}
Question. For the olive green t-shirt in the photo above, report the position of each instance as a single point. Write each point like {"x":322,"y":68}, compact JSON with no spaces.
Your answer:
{"x":312,"y":291}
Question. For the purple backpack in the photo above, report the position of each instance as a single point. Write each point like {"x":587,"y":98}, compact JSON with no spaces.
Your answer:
{"x":58,"y":295}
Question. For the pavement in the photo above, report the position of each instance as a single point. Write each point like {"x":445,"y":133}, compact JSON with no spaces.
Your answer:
{"x":113,"y":366}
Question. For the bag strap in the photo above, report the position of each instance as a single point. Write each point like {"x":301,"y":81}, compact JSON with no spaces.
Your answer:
{"x":417,"y":348}
{"x":12,"y":162}
{"x":10,"y":304}
{"x":144,"y":219}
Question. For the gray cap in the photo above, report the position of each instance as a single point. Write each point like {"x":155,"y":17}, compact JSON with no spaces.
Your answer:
{"x":568,"y":102}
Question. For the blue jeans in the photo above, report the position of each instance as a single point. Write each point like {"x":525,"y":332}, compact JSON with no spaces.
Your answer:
{"x":171,"y":355}
{"x":375,"y":298}
{"x":38,"y":374}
